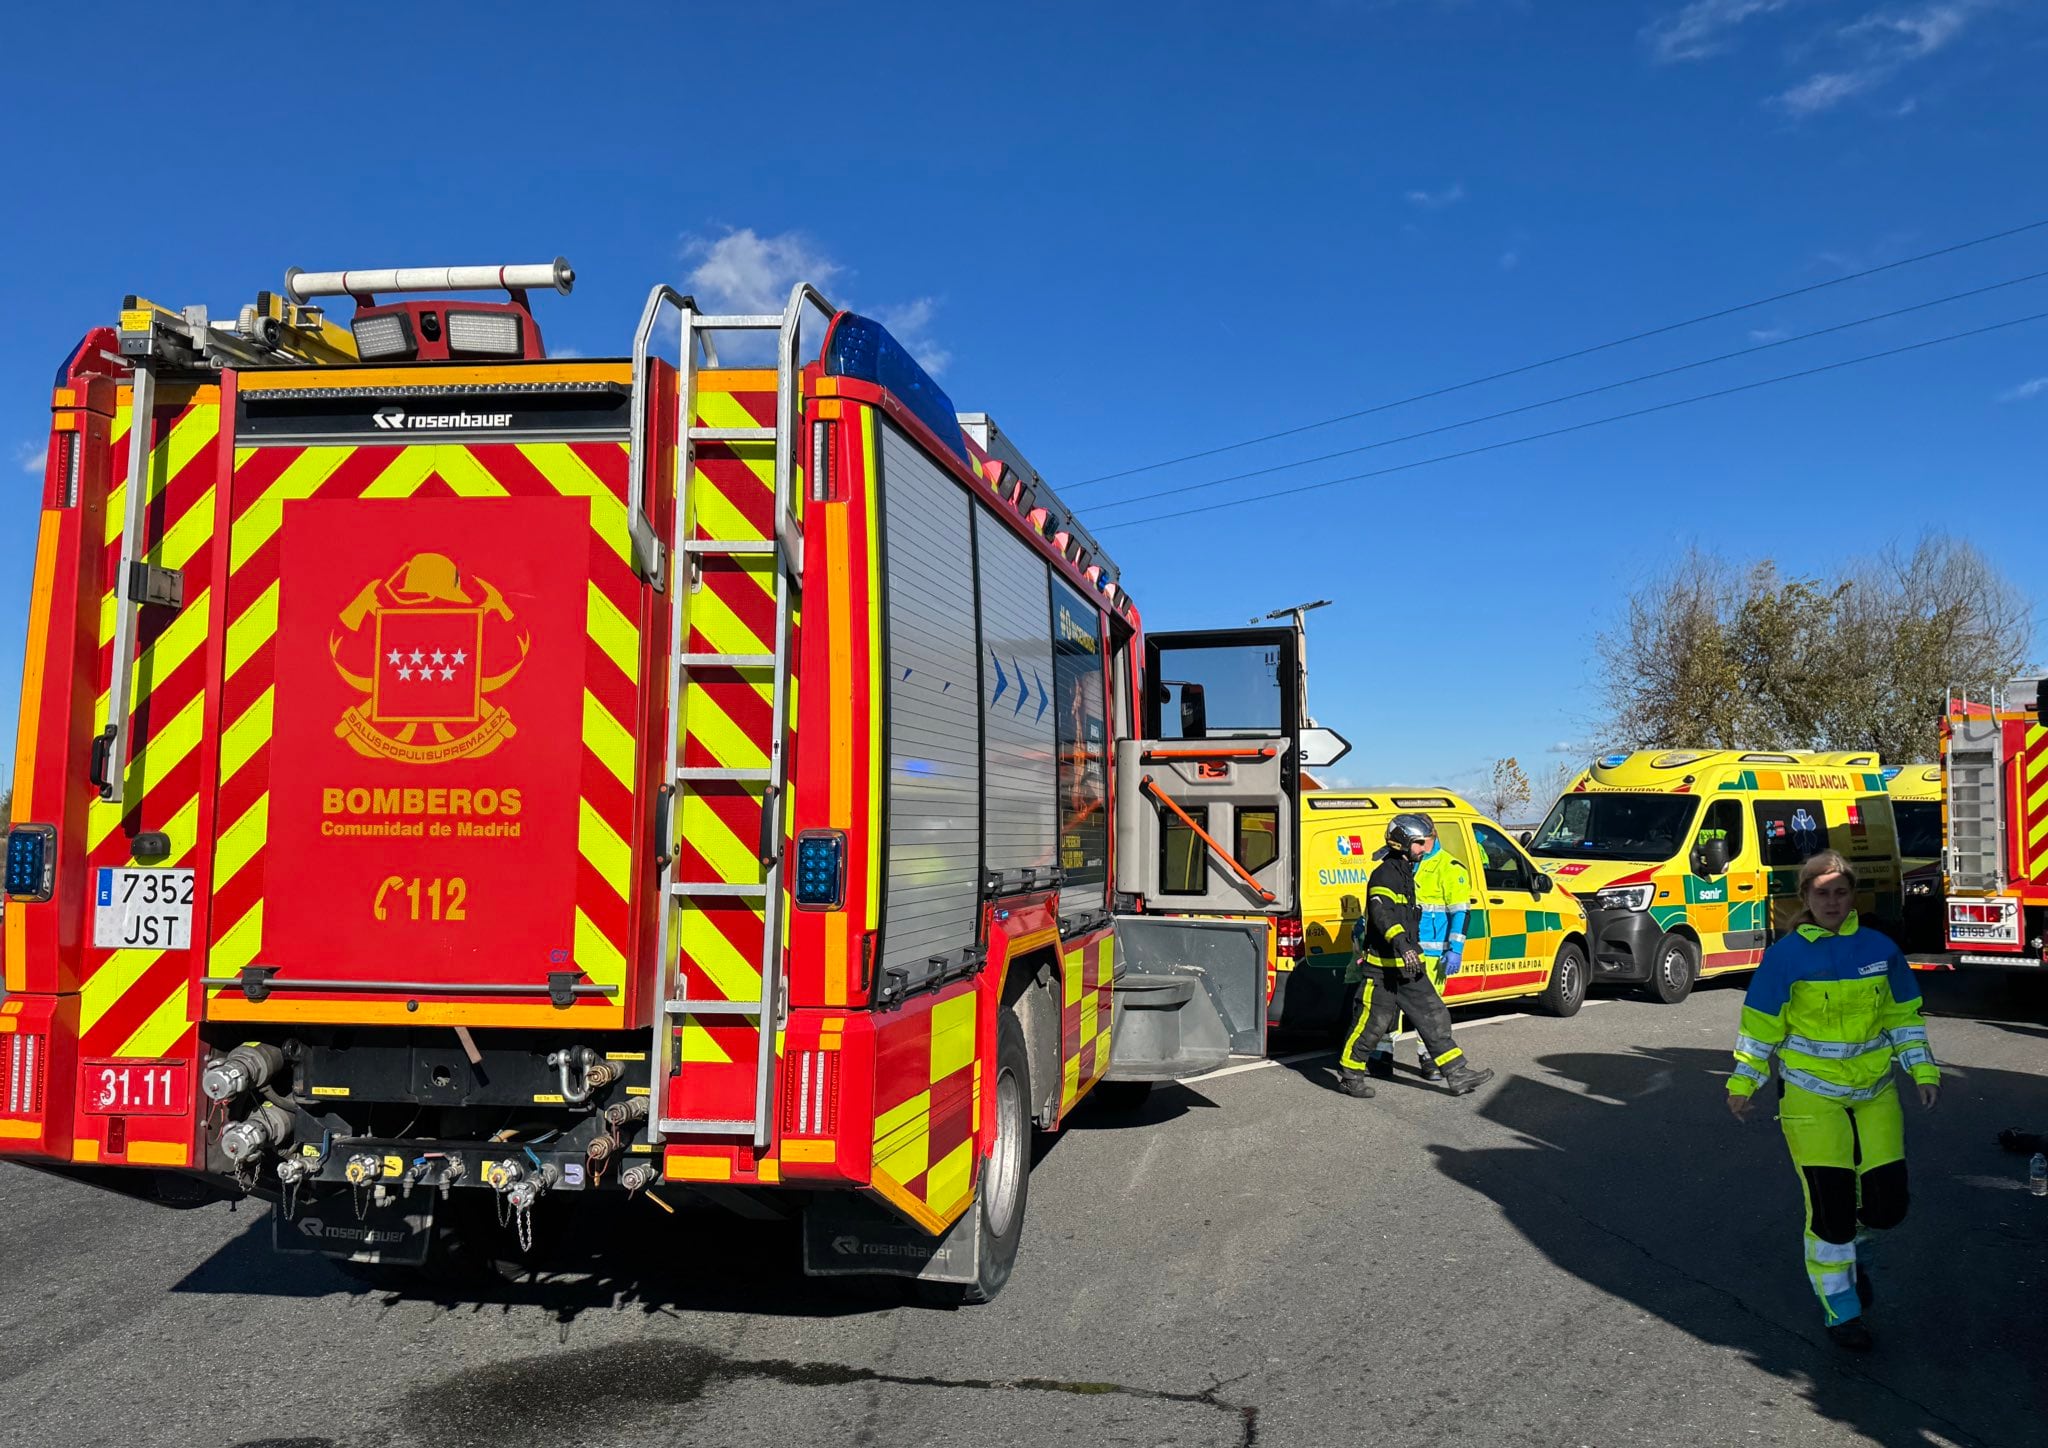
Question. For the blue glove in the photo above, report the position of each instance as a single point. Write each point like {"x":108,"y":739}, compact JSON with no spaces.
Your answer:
{"x":1452,"y":960}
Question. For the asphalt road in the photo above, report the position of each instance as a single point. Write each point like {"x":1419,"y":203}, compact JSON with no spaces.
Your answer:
{"x":1589,"y":1252}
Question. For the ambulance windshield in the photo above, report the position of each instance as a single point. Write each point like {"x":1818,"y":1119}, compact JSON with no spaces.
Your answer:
{"x":1647,"y":827}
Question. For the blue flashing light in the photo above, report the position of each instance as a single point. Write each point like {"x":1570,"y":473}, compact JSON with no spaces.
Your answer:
{"x":820,"y":870}
{"x":30,"y":857}
{"x":863,"y":349}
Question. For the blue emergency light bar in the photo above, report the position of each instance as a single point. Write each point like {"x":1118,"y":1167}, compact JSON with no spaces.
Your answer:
{"x":861,"y":348}
{"x":820,"y":870}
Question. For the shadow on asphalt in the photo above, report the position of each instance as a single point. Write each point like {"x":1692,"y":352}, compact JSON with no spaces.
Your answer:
{"x":1629,"y":1162}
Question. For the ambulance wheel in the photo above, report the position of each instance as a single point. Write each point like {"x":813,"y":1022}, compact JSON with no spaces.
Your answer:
{"x":1121,"y":1095}
{"x":1000,"y":1195}
{"x":1673,"y":969}
{"x":1566,"y":990}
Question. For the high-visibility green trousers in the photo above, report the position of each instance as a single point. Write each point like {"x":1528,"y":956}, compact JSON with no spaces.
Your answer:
{"x":1851,"y":1160}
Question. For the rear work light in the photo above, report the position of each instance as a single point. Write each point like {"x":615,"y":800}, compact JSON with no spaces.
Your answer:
{"x":1288,"y":946}
{"x":820,"y":870}
{"x":383,"y":334}
{"x":31,"y":862}
{"x":493,"y":334}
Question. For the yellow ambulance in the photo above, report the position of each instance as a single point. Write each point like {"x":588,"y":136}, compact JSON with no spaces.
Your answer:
{"x":1916,"y":808}
{"x":1688,"y":860}
{"x":1523,"y":936}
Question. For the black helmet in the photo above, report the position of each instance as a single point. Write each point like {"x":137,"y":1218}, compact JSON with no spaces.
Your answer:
{"x":1407,"y":829}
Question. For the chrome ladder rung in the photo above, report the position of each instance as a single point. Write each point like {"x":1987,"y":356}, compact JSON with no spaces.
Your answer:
{"x":712,"y":1008}
{"x":679,"y":1125}
{"x":720,"y":545}
{"x":728,"y":661}
{"x":732,"y":434}
{"x":718,"y":887}
{"x":707,"y":773}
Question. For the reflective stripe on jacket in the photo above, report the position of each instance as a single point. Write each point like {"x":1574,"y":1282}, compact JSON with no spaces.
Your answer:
{"x":1444,"y":891}
{"x":1835,"y":1011}
{"x":1393,"y":918}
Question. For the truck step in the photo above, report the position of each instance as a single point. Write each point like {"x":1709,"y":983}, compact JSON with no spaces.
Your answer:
{"x":712,"y":1008}
{"x":686,"y":1126}
{"x":718,"y":887}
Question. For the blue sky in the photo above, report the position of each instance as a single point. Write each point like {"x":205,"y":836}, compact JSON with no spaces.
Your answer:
{"x":1134,"y":232}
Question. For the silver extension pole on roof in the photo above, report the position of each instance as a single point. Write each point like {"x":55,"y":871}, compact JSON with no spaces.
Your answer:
{"x":303,"y":286}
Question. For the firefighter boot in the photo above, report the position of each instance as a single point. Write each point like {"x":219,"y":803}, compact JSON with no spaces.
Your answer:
{"x":1460,"y":1078}
{"x":1353,"y":1083}
{"x":1427,"y":1066}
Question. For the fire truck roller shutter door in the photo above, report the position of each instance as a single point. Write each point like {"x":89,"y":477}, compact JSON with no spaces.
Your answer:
{"x":1016,"y":700}
{"x":933,"y":808}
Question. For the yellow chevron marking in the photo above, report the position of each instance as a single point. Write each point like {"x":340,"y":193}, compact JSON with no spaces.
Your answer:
{"x":151,"y":760}
{"x":722,"y":409}
{"x":713,"y":728}
{"x":2034,"y":800}
{"x":712,"y":955}
{"x":245,"y":736}
{"x":2040,"y":828}
{"x":155,"y":1036}
{"x":896,"y":1118}
{"x":952,"y":1041}
{"x":572,"y":478}
{"x":717,"y":517}
{"x":251,"y":631}
{"x":608,"y":739}
{"x":598,"y":958}
{"x":408,"y":469}
{"x":732,"y":859}
{"x":301,"y":478}
{"x":461,"y":470}
{"x":601,"y":845}
{"x":188,"y":437}
{"x":698,"y":1049}
{"x":2036,"y":763}
{"x":174,"y":550}
{"x":723,"y":631}
{"x":950,"y":1181}
{"x":238,"y":946}
{"x":161,"y":658}
{"x":243,"y":454}
{"x":240,"y":842}
{"x":613,"y":632}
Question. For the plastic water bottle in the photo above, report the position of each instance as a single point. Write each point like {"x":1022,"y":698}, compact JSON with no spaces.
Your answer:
{"x":2037,"y":1175}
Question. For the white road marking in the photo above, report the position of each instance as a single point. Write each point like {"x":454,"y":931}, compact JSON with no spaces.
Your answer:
{"x":1238,"y":1070}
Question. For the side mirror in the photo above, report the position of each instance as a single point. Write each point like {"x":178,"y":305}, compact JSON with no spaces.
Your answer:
{"x":1525,"y":836}
{"x":1194,"y":712}
{"x":1544,"y":884}
{"x":1711,"y":858}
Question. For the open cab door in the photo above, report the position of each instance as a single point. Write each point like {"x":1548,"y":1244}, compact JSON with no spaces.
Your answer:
{"x":1205,"y":848}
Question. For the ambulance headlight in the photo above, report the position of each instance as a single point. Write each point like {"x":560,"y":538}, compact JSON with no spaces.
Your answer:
{"x":382,"y":334}
{"x":494,"y":334}
{"x":1628,"y":897}
{"x":31,"y":862}
{"x":820,"y":870}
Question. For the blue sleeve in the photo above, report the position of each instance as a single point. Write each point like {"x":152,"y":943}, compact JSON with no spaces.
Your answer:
{"x":1899,"y":976}
{"x":1771,"y":987}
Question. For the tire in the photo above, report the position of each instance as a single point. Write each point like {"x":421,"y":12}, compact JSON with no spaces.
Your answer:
{"x":1005,"y":1184}
{"x":1673,"y":969}
{"x":1122,"y":1095}
{"x":1565,"y":991}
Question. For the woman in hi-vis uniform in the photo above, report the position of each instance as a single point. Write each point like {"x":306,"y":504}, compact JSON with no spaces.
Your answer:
{"x":1835,"y":1006}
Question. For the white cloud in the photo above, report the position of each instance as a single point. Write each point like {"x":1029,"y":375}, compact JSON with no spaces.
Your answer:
{"x":30,"y":457}
{"x":1702,"y":28}
{"x":1451,"y":195}
{"x":1766,"y":334}
{"x":560,"y":352}
{"x":2027,"y":391}
{"x":743,"y":271}
{"x":1510,"y":259}
{"x":1564,"y":746}
{"x":1875,"y":48}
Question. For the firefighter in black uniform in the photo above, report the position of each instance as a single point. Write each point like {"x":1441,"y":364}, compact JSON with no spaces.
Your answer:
{"x":1395,"y":977}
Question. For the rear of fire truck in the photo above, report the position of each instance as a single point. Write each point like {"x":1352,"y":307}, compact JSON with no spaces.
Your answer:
{"x":410,"y":822}
{"x":1994,"y":858}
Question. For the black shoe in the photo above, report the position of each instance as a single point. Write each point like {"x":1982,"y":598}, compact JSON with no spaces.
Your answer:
{"x":1459,"y":1078}
{"x":1430,"y":1071}
{"x":1865,"y":1293}
{"x":1353,"y":1083}
{"x":1852,"y":1336}
{"x":1381,"y":1068}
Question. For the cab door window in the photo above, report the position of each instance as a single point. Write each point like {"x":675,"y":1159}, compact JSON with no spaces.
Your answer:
{"x":1505,"y":867}
{"x":1723,"y":822}
{"x":1790,"y":831}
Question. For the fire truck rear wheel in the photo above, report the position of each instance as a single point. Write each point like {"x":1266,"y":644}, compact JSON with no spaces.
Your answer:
{"x":1673,"y":969}
{"x":1006,"y":1176}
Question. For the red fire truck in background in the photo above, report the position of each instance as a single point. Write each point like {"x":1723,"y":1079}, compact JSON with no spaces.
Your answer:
{"x":456,"y":785}
{"x":1994,"y":861}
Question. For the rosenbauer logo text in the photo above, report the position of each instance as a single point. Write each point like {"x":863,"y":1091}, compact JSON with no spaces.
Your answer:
{"x":397,"y":419}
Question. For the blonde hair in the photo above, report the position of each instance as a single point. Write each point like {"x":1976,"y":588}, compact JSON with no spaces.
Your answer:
{"x":1827,"y":862}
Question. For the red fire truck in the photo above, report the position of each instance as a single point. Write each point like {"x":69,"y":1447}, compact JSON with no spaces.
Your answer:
{"x":1993,"y":881}
{"x":456,"y":785}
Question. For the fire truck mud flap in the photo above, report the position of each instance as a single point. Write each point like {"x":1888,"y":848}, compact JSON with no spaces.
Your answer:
{"x":846,"y":1235}
{"x":379,"y":1226}
{"x":1189,"y":995}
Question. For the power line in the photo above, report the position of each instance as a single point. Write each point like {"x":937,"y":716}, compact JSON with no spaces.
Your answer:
{"x":1577,"y":426}
{"x":1563,"y":356}
{"x":1573,"y":396}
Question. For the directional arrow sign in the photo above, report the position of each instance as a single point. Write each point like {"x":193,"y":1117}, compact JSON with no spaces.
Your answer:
{"x":1321,"y":748}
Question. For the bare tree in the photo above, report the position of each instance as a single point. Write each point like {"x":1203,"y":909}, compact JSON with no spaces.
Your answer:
{"x":1507,"y":791}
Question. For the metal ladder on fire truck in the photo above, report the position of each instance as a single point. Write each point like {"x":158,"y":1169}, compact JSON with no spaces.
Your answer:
{"x":685,"y":554}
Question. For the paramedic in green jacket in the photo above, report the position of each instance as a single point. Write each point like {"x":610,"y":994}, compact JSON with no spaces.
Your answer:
{"x":1394,"y":976}
{"x":1444,"y":891}
{"x":1834,"y":1005}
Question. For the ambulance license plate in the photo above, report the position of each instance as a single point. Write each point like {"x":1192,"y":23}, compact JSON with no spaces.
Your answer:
{"x":143,"y":910}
